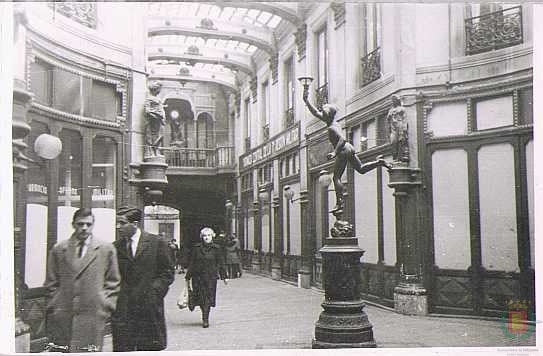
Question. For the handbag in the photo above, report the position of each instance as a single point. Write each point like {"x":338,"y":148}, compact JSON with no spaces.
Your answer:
{"x":183,"y":300}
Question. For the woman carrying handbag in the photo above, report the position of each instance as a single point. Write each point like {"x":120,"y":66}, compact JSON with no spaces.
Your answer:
{"x":206,"y":266}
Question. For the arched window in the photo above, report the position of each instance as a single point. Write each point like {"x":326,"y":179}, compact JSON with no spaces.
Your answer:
{"x":204,"y":131}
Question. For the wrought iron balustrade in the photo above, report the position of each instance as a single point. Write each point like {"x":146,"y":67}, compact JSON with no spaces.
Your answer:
{"x":220,"y":157}
{"x":289,"y":117}
{"x":371,"y":66}
{"x":493,"y":31}
{"x":322,"y":95}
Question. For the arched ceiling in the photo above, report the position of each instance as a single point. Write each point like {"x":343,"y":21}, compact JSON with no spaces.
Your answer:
{"x":212,"y":40}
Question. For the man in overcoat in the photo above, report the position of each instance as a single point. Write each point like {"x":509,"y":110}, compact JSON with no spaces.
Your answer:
{"x":147,"y":270}
{"x":82,"y":283}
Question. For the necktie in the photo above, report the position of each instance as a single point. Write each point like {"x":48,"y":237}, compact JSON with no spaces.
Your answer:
{"x":129,"y":247}
{"x":80,"y":248}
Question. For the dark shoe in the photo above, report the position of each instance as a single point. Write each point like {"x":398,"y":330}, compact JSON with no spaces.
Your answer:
{"x":205,"y":324}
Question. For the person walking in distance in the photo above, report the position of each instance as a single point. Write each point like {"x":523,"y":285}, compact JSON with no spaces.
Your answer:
{"x":82,"y":284}
{"x":206,"y":265}
{"x":147,"y":270}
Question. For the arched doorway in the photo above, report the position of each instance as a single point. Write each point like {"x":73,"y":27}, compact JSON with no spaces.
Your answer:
{"x":179,"y":116}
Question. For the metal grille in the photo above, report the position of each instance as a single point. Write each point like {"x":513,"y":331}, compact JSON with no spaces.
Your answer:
{"x":371,"y":66}
{"x":289,"y":117}
{"x":492,"y":31}
{"x":322,"y":95}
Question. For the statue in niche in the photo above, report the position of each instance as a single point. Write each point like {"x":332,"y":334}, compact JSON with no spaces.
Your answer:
{"x":154,"y":120}
{"x":397,"y":121}
{"x":343,"y":153}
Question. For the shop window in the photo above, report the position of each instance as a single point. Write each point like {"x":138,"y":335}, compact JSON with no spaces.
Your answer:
{"x":69,"y":181}
{"x":41,"y":81}
{"x":67,"y":91}
{"x":37,"y":195}
{"x":103,"y":186}
{"x":103,"y":101}
{"x":494,"y":112}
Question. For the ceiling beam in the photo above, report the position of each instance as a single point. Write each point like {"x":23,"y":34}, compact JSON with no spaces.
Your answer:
{"x":211,"y":34}
{"x":188,"y":58}
{"x":184,"y":79}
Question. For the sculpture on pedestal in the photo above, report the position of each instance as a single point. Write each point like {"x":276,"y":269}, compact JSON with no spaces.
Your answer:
{"x":397,"y":122}
{"x":154,"y":120}
{"x":343,"y":153}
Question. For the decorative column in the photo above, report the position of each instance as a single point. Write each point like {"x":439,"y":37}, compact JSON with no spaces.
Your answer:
{"x":257,"y":237}
{"x":410,"y":296}
{"x":277,"y":239}
{"x":304,"y":274}
{"x":20,"y":128}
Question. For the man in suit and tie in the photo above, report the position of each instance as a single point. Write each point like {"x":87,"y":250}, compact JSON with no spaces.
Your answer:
{"x":147,"y":270}
{"x":82,"y":283}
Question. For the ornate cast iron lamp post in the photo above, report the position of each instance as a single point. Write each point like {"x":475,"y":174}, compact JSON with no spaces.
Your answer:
{"x":343,"y":322}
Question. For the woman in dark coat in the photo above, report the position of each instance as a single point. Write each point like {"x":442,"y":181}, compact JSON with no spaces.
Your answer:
{"x":206,"y":265}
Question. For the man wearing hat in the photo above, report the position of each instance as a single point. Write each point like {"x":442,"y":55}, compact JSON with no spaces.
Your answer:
{"x":147,"y":270}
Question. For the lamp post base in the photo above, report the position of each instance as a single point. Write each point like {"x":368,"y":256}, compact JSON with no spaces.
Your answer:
{"x":343,"y":325}
{"x":410,"y":299}
{"x":343,"y":322}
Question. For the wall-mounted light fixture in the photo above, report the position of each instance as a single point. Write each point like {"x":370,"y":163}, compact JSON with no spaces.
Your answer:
{"x":263,"y":195}
{"x":288,"y":193}
{"x":47,"y":146}
{"x":229,"y":205}
{"x":324,"y":179}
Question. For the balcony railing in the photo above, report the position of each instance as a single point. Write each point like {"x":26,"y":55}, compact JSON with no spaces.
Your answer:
{"x":371,"y":66}
{"x":322,"y":95}
{"x":289,"y":117}
{"x":492,"y":31}
{"x":220,"y":157}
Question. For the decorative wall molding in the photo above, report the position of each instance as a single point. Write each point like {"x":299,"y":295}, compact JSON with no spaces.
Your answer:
{"x":64,"y":116}
{"x":371,"y":88}
{"x":339,"y":13}
{"x":84,"y":13}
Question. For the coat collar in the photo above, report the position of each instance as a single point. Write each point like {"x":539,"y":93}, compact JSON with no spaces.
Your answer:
{"x":79,"y":265}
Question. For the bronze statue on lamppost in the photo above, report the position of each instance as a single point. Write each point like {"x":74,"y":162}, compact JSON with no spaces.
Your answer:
{"x":343,"y":322}
{"x":343,"y":152}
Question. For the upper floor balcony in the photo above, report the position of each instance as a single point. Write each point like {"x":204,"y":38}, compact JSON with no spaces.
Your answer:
{"x":200,"y":161}
{"x":371,"y":66}
{"x":493,"y":31}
